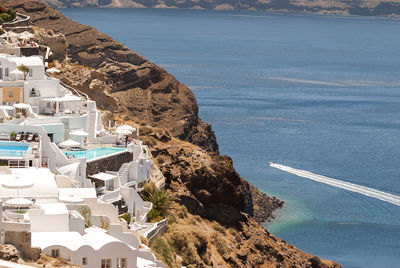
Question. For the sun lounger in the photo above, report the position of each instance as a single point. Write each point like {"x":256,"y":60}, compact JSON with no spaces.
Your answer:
{"x":30,"y":137}
{"x":18,"y":137}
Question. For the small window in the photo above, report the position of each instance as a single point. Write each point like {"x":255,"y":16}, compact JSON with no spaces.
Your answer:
{"x":6,"y":72}
{"x":55,"y":253}
{"x":106,"y":263}
{"x":10,"y":94}
{"x":84,"y":261}
{"x":30,"y":72}
{"x":122,"y":263}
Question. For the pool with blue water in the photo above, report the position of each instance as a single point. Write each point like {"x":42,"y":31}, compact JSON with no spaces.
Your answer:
{"x":95,"y":152}
{"x":12,"y":149}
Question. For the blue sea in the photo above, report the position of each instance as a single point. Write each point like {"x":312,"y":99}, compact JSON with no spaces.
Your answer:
{"x":318,"y":93}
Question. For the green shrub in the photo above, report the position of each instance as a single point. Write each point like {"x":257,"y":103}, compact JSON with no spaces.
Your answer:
{"x":160,"y":246}
{"x":126,"y":217}
{"x":161,"y":202}
{"x":12,"y":13}
{"x":5,"y":17}
{"x":153,"y":215}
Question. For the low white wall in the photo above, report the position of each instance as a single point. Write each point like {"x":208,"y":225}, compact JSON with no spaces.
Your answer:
{"x":16,"y":226}
{"x":103,"y":209}
{"x":76,"y":222}
{"x":41,"y":222}
{"x":130,"y":238}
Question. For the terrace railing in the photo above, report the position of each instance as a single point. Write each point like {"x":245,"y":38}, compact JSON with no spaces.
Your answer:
{"x":18,"y":163}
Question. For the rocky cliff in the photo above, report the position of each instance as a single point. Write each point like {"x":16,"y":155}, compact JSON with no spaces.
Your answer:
{"x":143,"y":90}
{"x":352,"y":7}
{"x":209,"y":194}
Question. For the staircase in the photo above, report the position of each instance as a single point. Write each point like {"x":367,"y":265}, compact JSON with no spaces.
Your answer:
{"x":142,"y":215}
{"x":92,"y":122}
{"x":123,"y":169}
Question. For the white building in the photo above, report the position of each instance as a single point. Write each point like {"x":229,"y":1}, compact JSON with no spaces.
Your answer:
{"x":58,"y":200}
{"x":55,"y":219}
{"x":93,"y":249}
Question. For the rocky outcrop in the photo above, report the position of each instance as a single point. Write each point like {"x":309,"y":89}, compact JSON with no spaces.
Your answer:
{"x":56,"y":42}
{"x":227,"y":233}
{"x":9,"y":253}
{"x":143,"y":90}
{"x":360,"y":7}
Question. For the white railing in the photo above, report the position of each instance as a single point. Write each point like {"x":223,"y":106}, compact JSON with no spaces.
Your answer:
{"x":18,"y":163}
{"x":158,"y":229}
{"x":111,"y":197}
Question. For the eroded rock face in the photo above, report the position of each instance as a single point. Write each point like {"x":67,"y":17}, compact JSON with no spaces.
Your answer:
{"x":56,"y":42}
{"x":140,"y":89}
{"x":9,"y":253}
{"x":207,"y":183}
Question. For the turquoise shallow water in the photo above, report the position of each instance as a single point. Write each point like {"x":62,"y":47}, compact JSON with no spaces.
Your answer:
{"x":318,"y":93}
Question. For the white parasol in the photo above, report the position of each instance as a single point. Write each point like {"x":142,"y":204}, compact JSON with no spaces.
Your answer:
{"x":69,"y":143}
{"x":22,"y":106}
{"x":52,"y":70}
{"x":71,"y":199}
{"x":18,"y":183}
{"x":6,"y":107}
{"x":124,"y":132}
{"x":18,"y":202}
{"x":126,"y":127}
{"x":79,"y":133}
{"x":26,"y":35}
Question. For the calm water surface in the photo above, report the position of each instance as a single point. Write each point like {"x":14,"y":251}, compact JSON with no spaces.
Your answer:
{"x":319,"y":93}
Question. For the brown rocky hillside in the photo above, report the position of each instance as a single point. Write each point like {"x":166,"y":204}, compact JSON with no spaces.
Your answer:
{"x":215,"y":207}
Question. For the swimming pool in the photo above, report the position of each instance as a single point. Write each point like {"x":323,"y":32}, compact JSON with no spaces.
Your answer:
{"x":95,"y":152}
{"x":12,"y":149}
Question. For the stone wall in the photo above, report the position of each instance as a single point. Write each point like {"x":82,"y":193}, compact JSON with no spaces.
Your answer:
{"x":112,"y":163}
{"x":22,"y":241}
{"x":29,"y":51}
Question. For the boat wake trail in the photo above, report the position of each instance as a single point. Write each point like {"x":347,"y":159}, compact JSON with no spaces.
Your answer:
{"x":390,"y":198}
